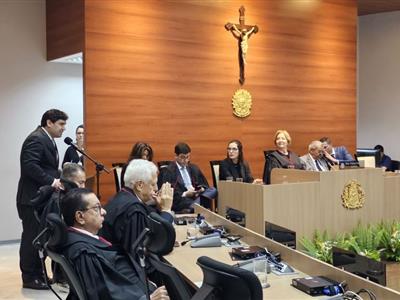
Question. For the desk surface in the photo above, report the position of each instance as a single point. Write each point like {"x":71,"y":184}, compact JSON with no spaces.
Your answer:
{"x":184,"y":259}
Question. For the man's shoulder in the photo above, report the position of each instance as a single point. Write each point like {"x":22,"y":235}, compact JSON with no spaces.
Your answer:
{"x":304,"y":157}
{"x":38,"y":135}
{"x":194,"y":167}
{"x":341,"y":148}
{"x":225,"y":162}
{"x":123,"y":198}
{"x":78,"y":242}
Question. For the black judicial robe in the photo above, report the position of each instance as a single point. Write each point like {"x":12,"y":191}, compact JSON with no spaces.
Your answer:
{"x":241,"y":170}
{"x":277,"y":160}
{"x":71,"y":155}
{"x":104,"y":272}
{"x":126,"y":218}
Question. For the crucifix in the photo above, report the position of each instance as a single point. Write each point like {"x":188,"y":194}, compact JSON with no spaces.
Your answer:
{"x":242,"y":33}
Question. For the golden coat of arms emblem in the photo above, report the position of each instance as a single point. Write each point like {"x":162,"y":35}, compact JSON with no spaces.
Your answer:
{"x":353,"y":195}
{"x":241,"y":103}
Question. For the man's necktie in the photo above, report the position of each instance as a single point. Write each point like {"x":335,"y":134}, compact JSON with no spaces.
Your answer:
{"x":318,"y":165}
{"x":186,"y":178}
{"x":55,"y":149}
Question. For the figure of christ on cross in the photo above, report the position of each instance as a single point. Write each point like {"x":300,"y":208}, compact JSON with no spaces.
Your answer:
{"x":242,"y":33}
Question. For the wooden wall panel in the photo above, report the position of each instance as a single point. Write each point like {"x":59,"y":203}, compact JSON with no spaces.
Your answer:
{"x":64,"y":27}
{"x":165,"y":71}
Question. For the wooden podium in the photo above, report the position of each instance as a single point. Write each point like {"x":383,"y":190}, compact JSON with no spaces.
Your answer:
{"x":304,"y":201}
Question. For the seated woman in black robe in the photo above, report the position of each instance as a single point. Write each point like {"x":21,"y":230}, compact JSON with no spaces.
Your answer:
{"x":104,"y":272}
{"x":234,"y":166}
{"x":281,"y":157}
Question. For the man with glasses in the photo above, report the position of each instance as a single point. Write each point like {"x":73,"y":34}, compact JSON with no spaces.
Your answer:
{"x":314,"y":160}
{"x":335,"y":155}
{"x":104,"y":270}
{"x":127,"y":211}
{"x":189,"y":183}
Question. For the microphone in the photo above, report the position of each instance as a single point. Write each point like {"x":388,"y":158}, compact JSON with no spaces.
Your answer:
{"x":68,"y":141}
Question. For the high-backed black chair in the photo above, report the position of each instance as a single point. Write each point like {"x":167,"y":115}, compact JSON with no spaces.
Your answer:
{"x":266,"y":172}
{"x":159,"y":241}
{"x":214,"y":164}
{"x":117,"y":170}
{"x":58,"y":236}
{"x":163,"y":164}
{"x":162,"y":167}
{"x":225,"y":282}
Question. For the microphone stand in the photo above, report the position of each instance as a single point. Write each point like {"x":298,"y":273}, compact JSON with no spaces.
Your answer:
{"x":99,"y":168}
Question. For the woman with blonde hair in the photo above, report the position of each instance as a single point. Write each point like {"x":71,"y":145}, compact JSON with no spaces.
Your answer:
{"x":281,"y":157}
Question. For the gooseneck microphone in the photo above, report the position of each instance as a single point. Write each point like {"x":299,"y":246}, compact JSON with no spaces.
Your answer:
{"x":99,"y":167}
{"x":68,"y":141}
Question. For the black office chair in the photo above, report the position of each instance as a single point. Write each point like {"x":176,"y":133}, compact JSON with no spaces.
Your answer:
{"x":163,"y":164}
{"x":214,"y":164}
{"x":162,"y":168}
{"x":225,"y":282}
{"x":58,"y":236}
{"x":267,"y":172}
{"x":158,"y":240}
{"x":117,"y":170}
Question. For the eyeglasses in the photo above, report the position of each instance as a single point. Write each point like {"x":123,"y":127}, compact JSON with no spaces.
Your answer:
{"x":232,"y":149}
{"x":96,"y":208}
{"x":183,"y":156}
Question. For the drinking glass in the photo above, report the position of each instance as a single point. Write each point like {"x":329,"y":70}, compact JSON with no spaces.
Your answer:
{"x":192,"y":229}
{"x":260,"y":269}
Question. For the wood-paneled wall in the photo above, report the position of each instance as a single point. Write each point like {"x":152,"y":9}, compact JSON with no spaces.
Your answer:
{"x":165,"y":71}
{"x":64,"y":27}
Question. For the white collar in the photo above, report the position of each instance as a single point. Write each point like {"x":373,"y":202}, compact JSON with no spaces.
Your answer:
{"x":48,"y":134}
{"x":85,"y":232}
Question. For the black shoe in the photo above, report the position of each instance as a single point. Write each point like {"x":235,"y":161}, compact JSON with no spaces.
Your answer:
{"x":36,"y":284}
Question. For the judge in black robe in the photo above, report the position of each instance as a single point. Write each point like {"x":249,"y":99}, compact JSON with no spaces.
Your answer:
{"x":127,"y":212}
{"x":282,"y":157}
{"x":126,"y":218}
{"x":104,"y":271}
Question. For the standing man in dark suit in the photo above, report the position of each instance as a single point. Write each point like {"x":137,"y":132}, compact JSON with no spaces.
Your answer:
{"x":189,"y":184}
{"x":335,"y":155}
{"x":39,"y":166}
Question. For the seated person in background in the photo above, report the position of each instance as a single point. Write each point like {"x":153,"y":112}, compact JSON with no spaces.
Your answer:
{"x":48,"y":201}
{"x":385,"y":161}
{"x":314,"y":160}
{"x":281,"y":157}
{"x":71,"y":155}
{"x":190,"y":185}
{"x":129,"y":208}
{"x":48,"y":198}
{"x":140,"y":150}
{"x":335,"y":155}
{"x":104,"y":271}
{"x":234,"y":165}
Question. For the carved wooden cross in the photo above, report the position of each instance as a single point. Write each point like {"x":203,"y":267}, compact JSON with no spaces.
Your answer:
{"x":242,"y":33}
